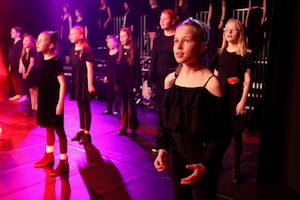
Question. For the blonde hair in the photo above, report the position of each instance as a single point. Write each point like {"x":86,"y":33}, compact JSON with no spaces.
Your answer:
{"x":242,"y":44}
{"x":82,"y":40}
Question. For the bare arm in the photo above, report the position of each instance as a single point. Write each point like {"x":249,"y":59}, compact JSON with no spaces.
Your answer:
{"x":89,"y":66}
{"x":263,"y":19}
{"x":108,"y":18}
{"x":247,"y":16}
{"x":240,"y":108}
{"x":62,"y":93}
{"x":223,"y":14}
{"x":209,"y":14}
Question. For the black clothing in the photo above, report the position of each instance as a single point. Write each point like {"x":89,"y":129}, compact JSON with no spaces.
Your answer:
{"x":66,"y":45}
{"x":128,"y":19}
{"x":17,"y":81}
{"x":127,"y":78}
{"x":103,"y":32}
{"x":48,"y":94}
{"x":153,"y":17}
{"x":15,"y":52}
{"x":163,"y":62}
{"x":215,"y":33}
{"x":232,"y":65}
{"x":32,"y":79}
{"x":192,"y":123}
{"x":255,"y":30}
{"x":112,"y":95}
{"x":79,"y":86}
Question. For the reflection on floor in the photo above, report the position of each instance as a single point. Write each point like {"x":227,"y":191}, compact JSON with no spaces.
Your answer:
{"x":111,"y":168}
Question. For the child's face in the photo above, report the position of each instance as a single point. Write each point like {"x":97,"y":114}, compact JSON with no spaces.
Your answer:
{"x":111,"y":44}
{"x":42,"y":43}
{"x":14,"y":34}
{"x":124,"y":38}
{"x":75,"y":36}
{"x":165,"y":21}
{"x":27,"y":42}
{"x":231,"y":32}
{"x":186,"y":47}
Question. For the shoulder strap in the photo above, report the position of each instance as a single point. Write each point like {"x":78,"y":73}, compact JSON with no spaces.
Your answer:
{"x":208,"y":80}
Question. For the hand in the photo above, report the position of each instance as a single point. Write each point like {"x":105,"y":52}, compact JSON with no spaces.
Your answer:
{"x":105,"y":79}
{"x":59,"y":109}
{"x":133,"y":90}
{"x":240,"y":109}
{"x":161,"y":161}
{"x":91,"y":89}
{"x":198,"y":171}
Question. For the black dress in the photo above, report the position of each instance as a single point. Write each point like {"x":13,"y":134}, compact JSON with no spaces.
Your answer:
{"x":66,"y":45}
{"x":32,"y":80}
{"x":127,"y":78}
{"x":163,"y":62}
{"x":153,"y":19}
{"x":232,"y":65}
{"x":192,"y":123}
{"x":48,"y":94}
{"x":79,"y":86}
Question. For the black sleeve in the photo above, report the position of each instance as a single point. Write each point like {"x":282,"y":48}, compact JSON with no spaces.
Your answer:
{"x":164,"y":134}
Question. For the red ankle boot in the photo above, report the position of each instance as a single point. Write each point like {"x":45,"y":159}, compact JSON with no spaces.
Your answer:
{"x":61,"y":169}
{"x":48,"y":159}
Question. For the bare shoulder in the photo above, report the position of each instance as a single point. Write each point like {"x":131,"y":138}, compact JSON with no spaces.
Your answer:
{"x":214,"y":86}
{"x":169,"y":80}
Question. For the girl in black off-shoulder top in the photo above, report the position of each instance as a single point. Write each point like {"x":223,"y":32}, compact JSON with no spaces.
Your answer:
{"x":192,"y":122}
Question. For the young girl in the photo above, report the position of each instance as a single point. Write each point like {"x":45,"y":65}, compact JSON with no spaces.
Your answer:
{"x":66,"y":25}
{"x":82,"y":88}
{"x":127,"y":80}
{"x":111,"y":62}
{"x":162,"y":57}
{"x":15,"y":51}
{"x":192,"y":118}
{"x":233,"y":64}
{"x":28,"y":63}
{"x":50,"y":111}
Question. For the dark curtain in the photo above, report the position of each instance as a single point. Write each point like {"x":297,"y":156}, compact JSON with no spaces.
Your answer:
{"x":279,"y":159}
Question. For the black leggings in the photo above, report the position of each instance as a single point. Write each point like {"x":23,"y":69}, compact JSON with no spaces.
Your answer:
{"x":85,"y":115}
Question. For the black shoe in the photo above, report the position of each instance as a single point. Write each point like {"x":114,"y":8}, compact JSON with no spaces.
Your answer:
{"x":61,"y":169}
{"x":47,"y":160}
{"x":77,"y":137}
{"x":106,"y":112}
{"x":132,"y":133}
{"x":86,"y":139}
{"x":122,"y":132}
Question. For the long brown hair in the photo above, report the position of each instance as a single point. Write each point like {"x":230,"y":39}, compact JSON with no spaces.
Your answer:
{"x":132,"y":47}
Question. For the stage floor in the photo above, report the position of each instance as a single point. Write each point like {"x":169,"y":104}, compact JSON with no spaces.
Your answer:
{"x":111,"y":168}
